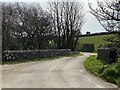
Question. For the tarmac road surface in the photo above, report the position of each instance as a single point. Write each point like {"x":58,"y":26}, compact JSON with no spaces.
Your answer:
{"x":67,"y":72}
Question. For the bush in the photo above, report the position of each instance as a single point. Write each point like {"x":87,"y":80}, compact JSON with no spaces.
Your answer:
{"x":119,"y":52}
{"x":118,"y":81}
{"x":87,"y":48}
{"x":118,"y":67}
{"x":108,"y":45}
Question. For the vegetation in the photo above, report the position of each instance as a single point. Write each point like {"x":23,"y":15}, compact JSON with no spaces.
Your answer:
{"x":109,"y":72}
{"x":25,"y":27}
{"x":96,"y":40}
{"x":30,"y":27}
{"x":87,"y":48}
{"x":107,"y":13}
{"x":68,"y":19}
{"x":39,"y":59}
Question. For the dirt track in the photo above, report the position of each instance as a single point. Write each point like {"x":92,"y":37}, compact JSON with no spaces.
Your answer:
{"x":65,"y":72}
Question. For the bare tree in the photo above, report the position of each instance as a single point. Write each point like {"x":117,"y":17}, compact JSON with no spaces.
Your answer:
{"x":68,"y":19}
{"x":25,"y":26}
{"x":108,"y":15}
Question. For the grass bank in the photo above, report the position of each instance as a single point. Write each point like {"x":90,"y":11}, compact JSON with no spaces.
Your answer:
{"x":96,"y":40}
{"x":39,"y":59}
{"x":109,"y":72}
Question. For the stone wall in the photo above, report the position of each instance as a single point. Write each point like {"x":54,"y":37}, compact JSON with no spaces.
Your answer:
{"x":107,"y":54}
{"x":33,"y":54}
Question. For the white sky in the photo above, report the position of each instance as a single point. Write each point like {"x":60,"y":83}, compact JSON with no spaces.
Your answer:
{"x":91,"y":24}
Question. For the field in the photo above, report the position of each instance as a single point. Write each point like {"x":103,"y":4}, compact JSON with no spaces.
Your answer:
{"x":96,"y":40}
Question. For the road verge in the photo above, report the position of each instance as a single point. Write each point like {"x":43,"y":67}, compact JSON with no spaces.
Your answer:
{"x":108,"y":72}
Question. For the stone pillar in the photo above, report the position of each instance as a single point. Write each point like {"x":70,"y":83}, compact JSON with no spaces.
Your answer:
{"x":107,"y":54}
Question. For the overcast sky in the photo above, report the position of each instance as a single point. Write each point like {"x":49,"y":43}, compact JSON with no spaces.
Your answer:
{"x":91,"y":24}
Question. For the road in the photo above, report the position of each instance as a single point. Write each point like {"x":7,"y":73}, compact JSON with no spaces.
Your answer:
{"x":67,"y":72}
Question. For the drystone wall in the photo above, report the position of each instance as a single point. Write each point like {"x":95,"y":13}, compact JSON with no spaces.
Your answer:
{"x":34,"y":54}
{"x":107,"y":54}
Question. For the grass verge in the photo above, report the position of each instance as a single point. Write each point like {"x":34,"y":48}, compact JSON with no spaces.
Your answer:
{"x":109,"y":72}
{"x":39,"y":59}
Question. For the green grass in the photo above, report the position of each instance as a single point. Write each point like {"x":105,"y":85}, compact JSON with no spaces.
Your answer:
{"x":109,"y":72}
{"x":96,"y":40}
{"x":39,"y":59}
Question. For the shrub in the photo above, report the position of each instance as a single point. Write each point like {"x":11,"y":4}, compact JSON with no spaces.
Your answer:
{"x":118,"y":67}
{"x":118,"y":81}
{"x":119,"y":52}
{"x":87,"y":48}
